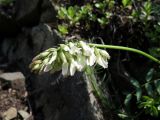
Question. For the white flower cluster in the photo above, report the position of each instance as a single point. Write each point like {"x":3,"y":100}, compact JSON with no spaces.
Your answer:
{"x":69,"y":58}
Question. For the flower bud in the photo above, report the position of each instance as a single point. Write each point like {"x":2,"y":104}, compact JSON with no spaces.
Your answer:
{"x":36,"y":67}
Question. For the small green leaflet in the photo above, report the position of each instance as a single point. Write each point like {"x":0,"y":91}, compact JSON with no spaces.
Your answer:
{"x":126,"y":2}
{"x":63,"y":29}
{"x":128,"y":99}
{"x":149,"y":89}
{"x":138,"y":93}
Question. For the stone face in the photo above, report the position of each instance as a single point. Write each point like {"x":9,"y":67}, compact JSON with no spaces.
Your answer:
{"x":27,"y":11}
{"x":51,"y":96}
{"x":43,"y":37}
{"x":48,"y":14}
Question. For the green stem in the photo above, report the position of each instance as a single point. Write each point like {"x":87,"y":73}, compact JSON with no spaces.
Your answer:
{"x":126,"y":49}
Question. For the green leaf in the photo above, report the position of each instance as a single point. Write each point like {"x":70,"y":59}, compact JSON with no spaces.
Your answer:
{"x":71,"y":12}
{"x":154,"y":111}
{"x":138,"y":93}
{"x":135,"y":83}
{"x":103,"y":21}
{"x":149,"y":75}
{"x":149,"y":89}
{"x":63,"y":29}
{"x":148,"y":7}
{"x":100,"y":5}
{"x":128,"y":99}
{"x":62,"y":12}
{"x":157,"y":85}
{"x":126,"y":2}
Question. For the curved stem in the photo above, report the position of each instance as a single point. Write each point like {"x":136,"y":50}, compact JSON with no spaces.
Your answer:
{"x":126,"y":49}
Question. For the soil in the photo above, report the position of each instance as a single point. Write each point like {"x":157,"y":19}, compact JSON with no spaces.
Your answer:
{"x":12,"y":97}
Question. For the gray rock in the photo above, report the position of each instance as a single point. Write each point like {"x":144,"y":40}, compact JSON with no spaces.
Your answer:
{"x":12,"y":76}
{"x":43,"y":37}
{"x":27,"y":11}
{"x":48,"y":14}
{"x":10,"y":114}
{"x":8,"y":26}
{"x":51,"y":96}
{"x":25,"y":115}
{"x":15,"y":79}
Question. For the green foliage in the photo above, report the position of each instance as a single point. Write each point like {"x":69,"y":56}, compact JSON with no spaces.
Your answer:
{"x":63,"y":29}
{"x":126,"y":22}
{"x":150,"y":105}
{"x":126,"y":2}
{"x":137,"y":86}
{"x":148,"y":98}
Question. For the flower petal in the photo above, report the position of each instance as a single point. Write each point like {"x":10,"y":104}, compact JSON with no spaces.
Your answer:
{"x":101,"y":62}
{"x":92,"y":58}
{"x":53,"y":58}
{"x":86,"y":49}
{"x":65,"y":66}
{"x":47,"y":68}
{"x":104,"y":54}
{"x":72,"y":68}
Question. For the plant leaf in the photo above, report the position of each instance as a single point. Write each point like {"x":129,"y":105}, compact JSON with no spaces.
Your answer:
{"x":127,"y":99}
{"x":138,"y":93}
{"x":71,"y":12}
{"x":135,"y":83}
{"x":154,"y":111}
{"x":126,"y":2}
{"x":149,"y":89}
{"x":63,"y":29}
{"x":149,"y":75}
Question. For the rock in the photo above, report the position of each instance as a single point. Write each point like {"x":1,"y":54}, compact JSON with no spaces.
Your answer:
{"x":25,"y":115}
{"x":43,"y":37}
{"x":51,"y":96}
{"x":27,"y":11}
{"x":8,"y":26}
{"x":9,"y":114}
{"x":12,"y":76}
{"x":15,"y":79}
{"x":48,"y":14}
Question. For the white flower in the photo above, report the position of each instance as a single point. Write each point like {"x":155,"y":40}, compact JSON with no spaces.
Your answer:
{"x":69,"y":58}
{"x":53,"y":57}
{"x":72,"y":68}
{"x":91,"y":59}
{"x":104,"y":54}
{"x":65,"y":66}
{"x":57,"y":65}
{"x":87,"y":51}
{"x":81,"y":61}
{"x":74,"y":49}
{"x":74,"y":65}
{"x":47,"y":68}
{"x":64,"y":47}
{"x":62,"y":57}
{"x":100,"y":60}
